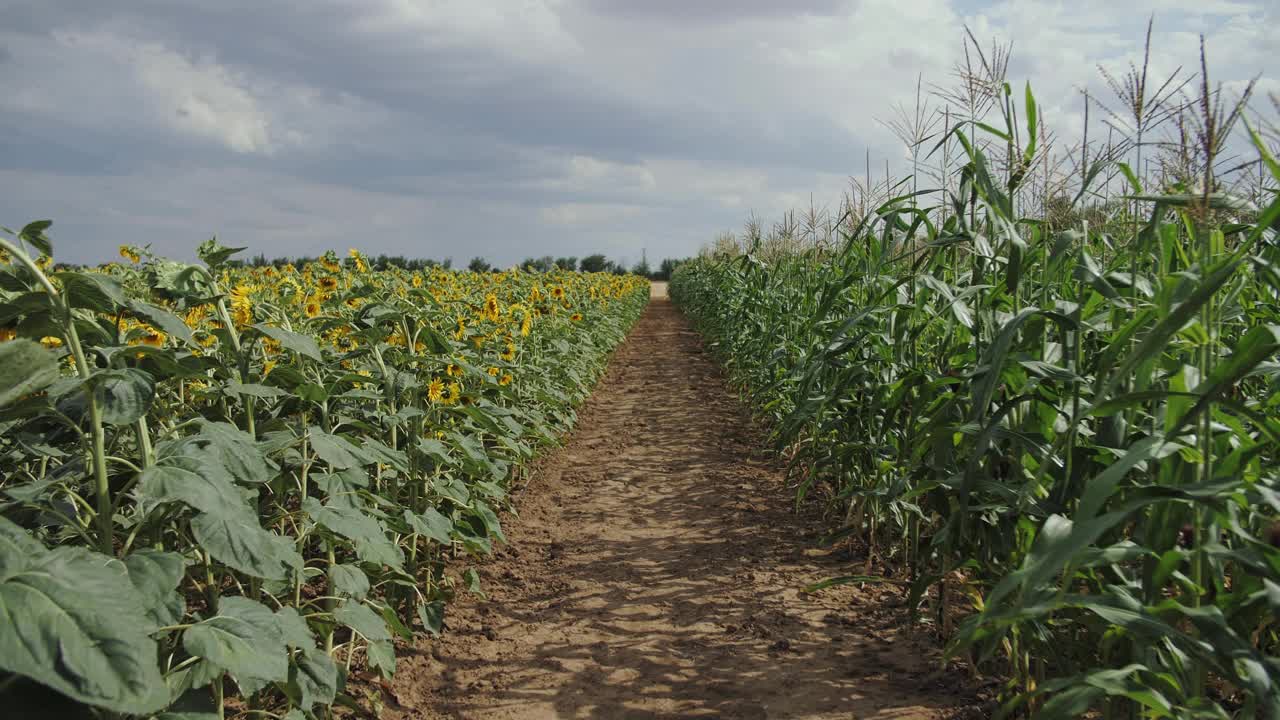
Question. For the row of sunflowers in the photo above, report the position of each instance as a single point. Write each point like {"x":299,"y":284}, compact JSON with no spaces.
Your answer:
{"x":224,"y":489}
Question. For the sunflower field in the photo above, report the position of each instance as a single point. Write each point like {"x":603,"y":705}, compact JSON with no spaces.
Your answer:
{"x":222,"y":489}
{"x":1052,"y":420}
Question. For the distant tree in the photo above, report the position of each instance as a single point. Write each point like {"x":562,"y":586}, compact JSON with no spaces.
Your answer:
{"x":618,"y":268}
{"x":667,"y":267}
{"x":567,"y":263}
{"x":447,"y":264}
{"x":642,"y":269}
{"x":479,"y":265}
{"x":594,"y":263}
{"x":542,"y":264}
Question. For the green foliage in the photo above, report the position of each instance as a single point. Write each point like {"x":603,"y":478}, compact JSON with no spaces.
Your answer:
{"x":1068,"y":430}
{"x":221,"y":472}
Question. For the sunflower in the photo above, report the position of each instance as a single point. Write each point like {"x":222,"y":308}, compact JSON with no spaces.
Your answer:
{"x":51,"y":341}
{"x":505,"y":379}
{"x":453,"y":370}
{"x":455,"y":392}
{"x":491,"y":309}
{"x":435,"y":390}
{"x":311,"y":309}
{"x":267,"y":367}
{"x":526,"y":324}
{"x":241,"y":305}
{"x":557,"y":292}
{"x":493,"y":372}
{"x":510,"y":353}
{"x":129,"y":254}
{"x":576,"y":317}
{"x":7,"y":334}
{"x":417,"y":280}
{"x":328,"y":284}
{"x":195,"y":315}
{"x":152,"y":338}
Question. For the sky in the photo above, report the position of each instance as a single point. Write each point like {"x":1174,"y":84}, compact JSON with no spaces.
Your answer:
{"x":462,"y":128}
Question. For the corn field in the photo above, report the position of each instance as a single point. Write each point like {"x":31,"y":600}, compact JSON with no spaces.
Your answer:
{"x":224,"y":489}
{"x":1038,"y":386}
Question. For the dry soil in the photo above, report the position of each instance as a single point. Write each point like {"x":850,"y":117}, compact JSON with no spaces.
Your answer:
{"x":655,"y":571}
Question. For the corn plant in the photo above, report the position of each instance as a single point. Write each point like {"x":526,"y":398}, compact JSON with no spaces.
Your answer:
{"x":1061,"y":439}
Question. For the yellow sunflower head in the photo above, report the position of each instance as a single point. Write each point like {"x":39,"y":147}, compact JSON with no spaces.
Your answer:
{"x":152,"y":338}
{"x":435,"y":390}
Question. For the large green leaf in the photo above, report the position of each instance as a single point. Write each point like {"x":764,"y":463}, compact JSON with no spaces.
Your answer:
{"x":225,"y":446}
{"x":70,"y":619}
{"x":33,"y":233}
{"x":336,"y":450}
{"x":301,"y":344}
{"x":236,"y":540}
{"x":25,"y":368}
{"x":490,"y":520}
{"x":155,"y":575}
{"x":93,"y":291}
{"x":349,"y":581}
{"x":294,"y":629}
{"x":314,"y":676}
{"x":187,"y":480}
{"x":432,"y":616}
{"x":365,"y":532}
{"x":167,"y":322}
{"x":363,"y":620}
{"x":243,"y":639}
{"x":430,"y":523}
{"x":382,"y":657}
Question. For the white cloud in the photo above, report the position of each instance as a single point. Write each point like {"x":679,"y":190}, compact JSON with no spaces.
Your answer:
{"x":587,"y":213}
{"x":104,"y":78}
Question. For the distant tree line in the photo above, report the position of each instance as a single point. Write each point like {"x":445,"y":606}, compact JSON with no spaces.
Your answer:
{"x":546,"y":263}
{"x":376,"y":262}
{"x":591,"y":263}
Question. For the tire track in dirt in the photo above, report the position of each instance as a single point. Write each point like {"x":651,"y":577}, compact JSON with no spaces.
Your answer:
{"x":654,"y":572}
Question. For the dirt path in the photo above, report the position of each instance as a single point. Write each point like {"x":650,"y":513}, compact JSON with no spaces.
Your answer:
{"x":654,"y":573}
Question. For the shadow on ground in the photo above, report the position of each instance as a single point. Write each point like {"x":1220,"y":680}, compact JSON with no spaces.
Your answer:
{"x":655,"y":572}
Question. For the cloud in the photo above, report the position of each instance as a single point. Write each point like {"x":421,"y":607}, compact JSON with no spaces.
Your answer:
{"x":196,"y":97}
{"x":459,"y":127}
